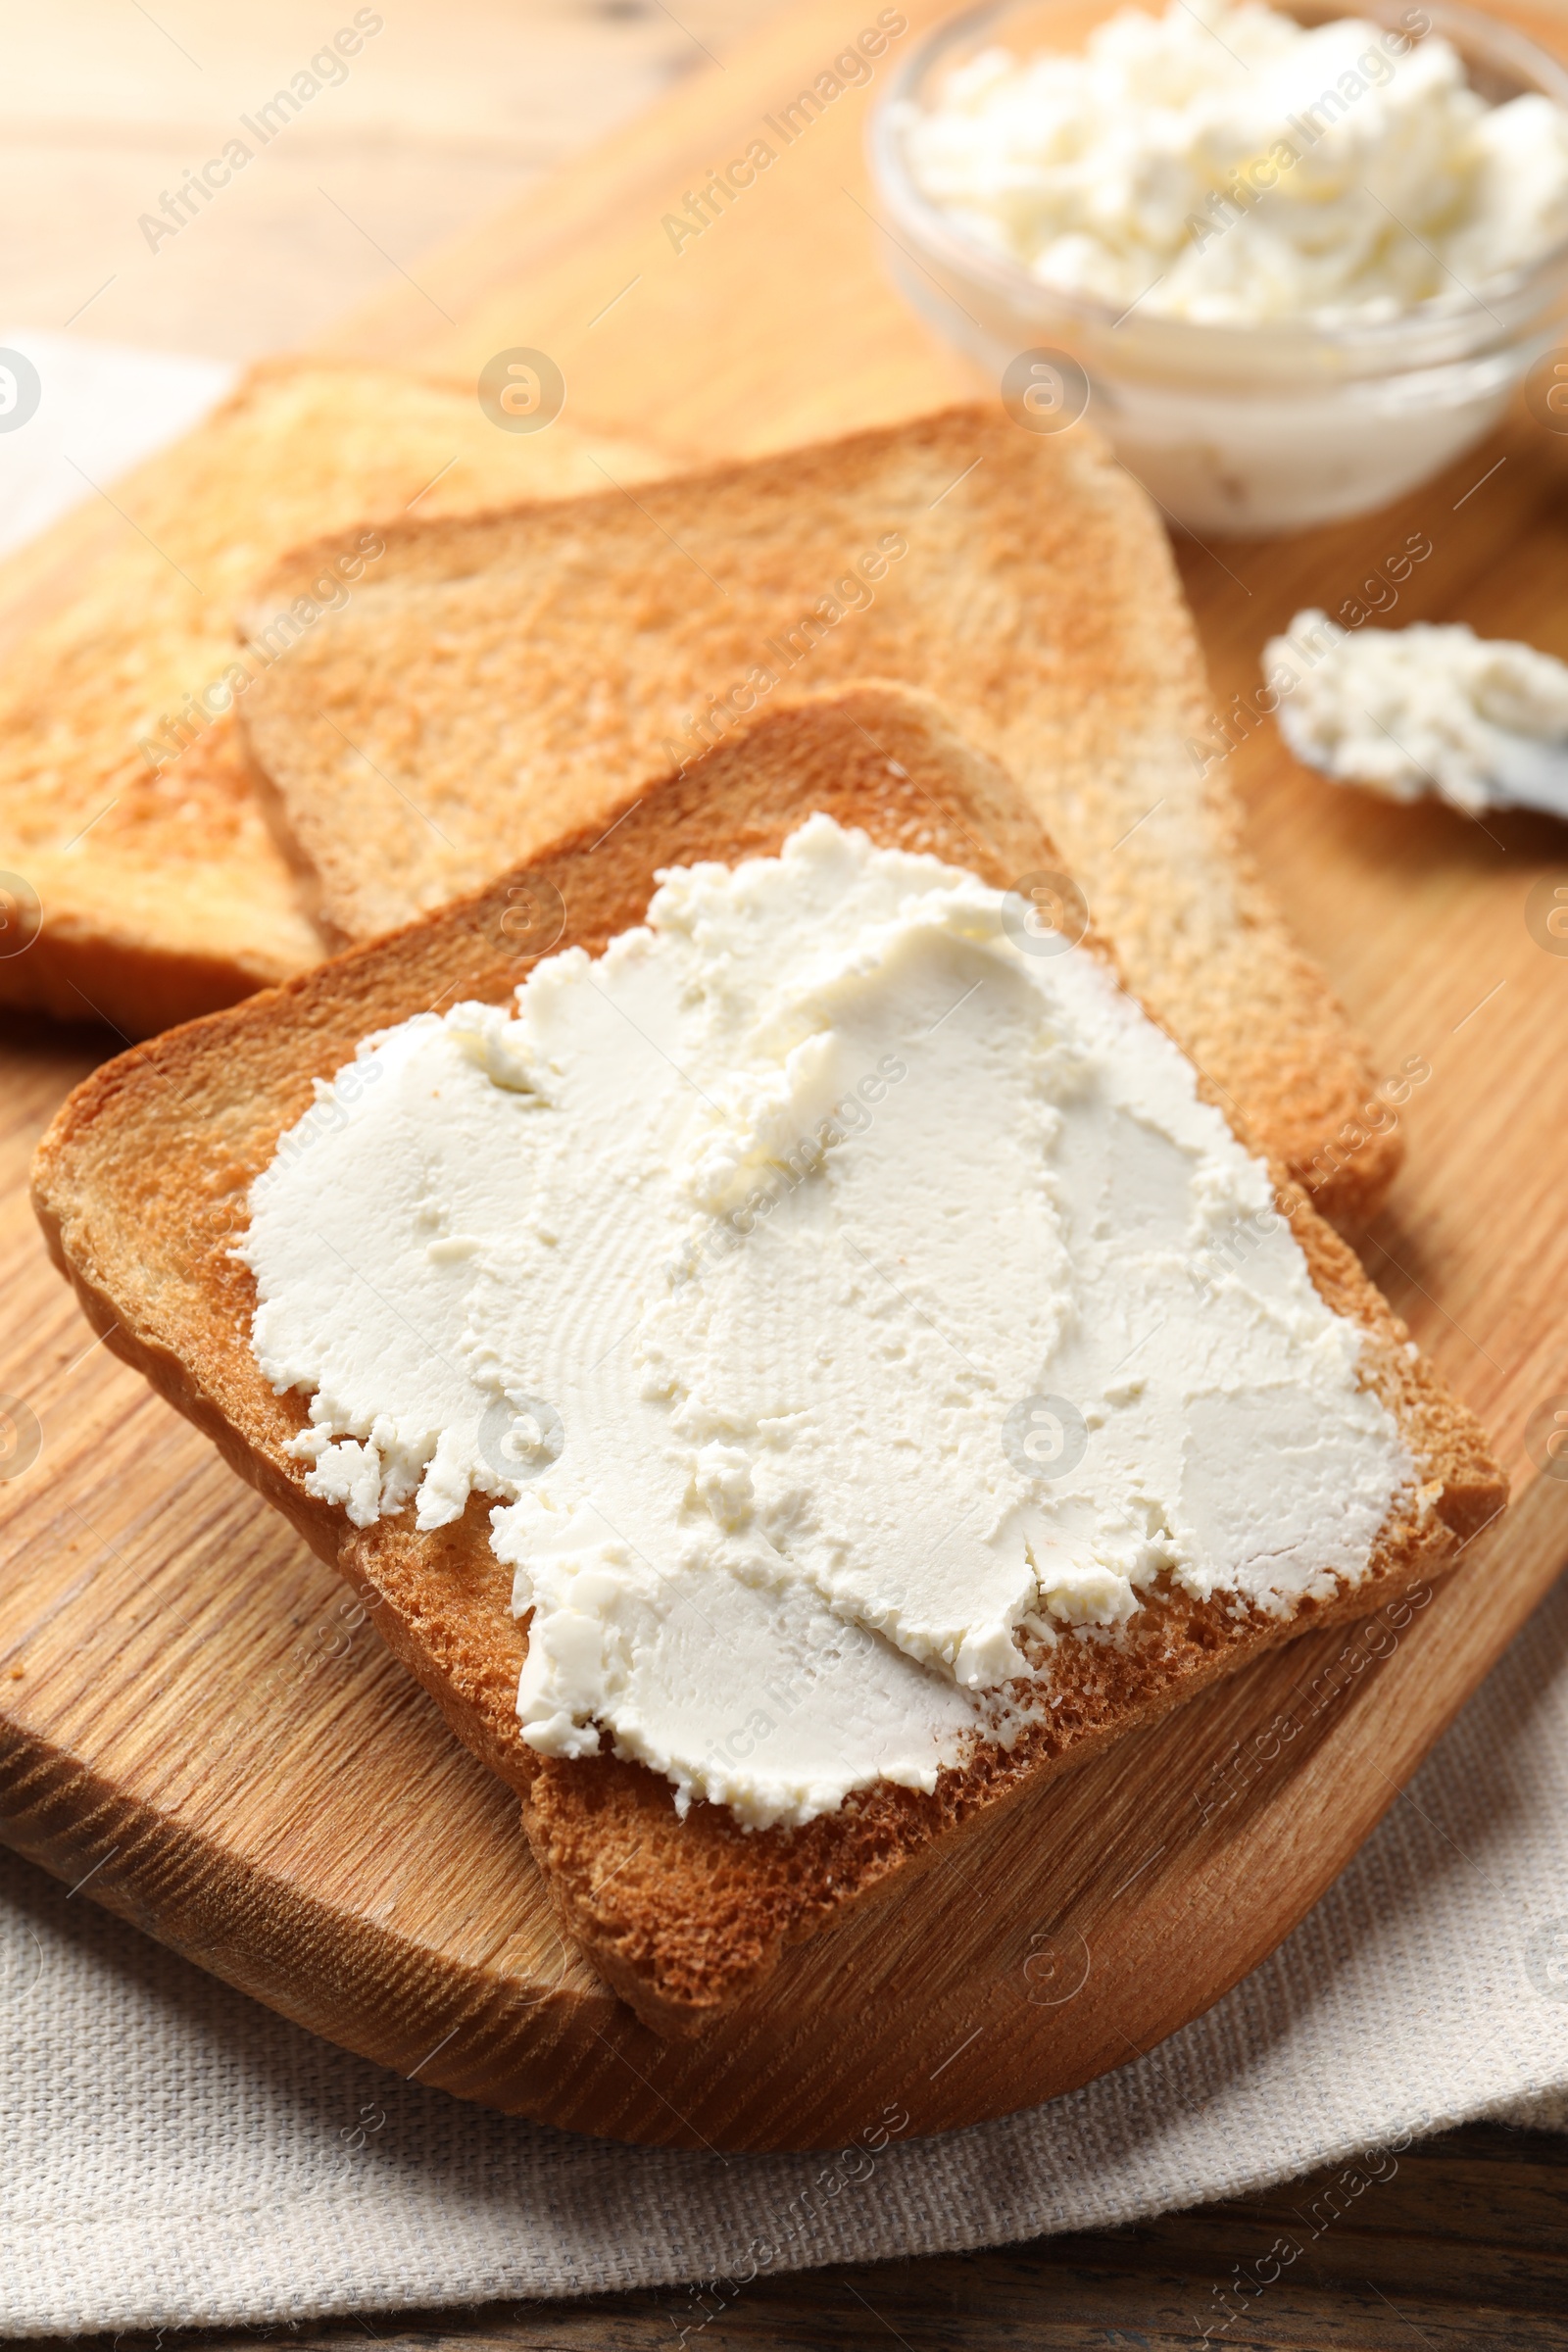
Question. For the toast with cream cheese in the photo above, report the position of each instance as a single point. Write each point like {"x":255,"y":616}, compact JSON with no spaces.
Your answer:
{"x":144,"y":1185}
{"x":497,"y":680}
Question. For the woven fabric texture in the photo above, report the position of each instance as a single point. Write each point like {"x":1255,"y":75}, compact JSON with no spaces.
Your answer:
{"x":175,"y":2154}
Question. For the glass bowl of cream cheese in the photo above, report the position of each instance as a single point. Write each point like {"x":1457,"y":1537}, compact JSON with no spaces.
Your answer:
{"x":1292,"y":264}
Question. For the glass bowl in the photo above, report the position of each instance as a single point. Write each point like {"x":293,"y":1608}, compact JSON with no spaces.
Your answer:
{"x":1233,"y":430}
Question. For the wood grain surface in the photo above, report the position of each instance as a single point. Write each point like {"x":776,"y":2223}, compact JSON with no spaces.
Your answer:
{"x":190,"y":1712}
{"x":444,"y":114}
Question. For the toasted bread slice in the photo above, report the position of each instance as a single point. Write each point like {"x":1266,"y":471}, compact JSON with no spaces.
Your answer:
{"x":499,"y":679}
{"x":160,"y":889}
{"x":142,"y":1184}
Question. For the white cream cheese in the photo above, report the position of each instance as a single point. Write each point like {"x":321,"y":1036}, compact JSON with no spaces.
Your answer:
{"x":761,"y":1273}
{"x":1225,"y":164}
{"x":1412,"y":710}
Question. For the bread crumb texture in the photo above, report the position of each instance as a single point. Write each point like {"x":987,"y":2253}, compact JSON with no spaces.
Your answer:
{"x":142,"y":1187}
{"x":162,"y":891}
{"x":499,"y":680}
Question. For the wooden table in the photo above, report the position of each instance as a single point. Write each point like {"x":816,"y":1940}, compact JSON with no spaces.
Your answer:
{"x":446,"y":114}
{"x":774,"y":325}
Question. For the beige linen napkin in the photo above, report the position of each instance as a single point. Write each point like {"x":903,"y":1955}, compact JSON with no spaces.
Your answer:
{"x":174,"y":2154}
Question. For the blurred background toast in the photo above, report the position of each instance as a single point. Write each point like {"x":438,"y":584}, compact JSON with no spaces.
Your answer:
{"x":126,"y":824}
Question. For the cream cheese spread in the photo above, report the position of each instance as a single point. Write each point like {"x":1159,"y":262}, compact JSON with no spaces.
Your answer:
{"x":835,"y":1292}
{"x":1225,"y":164}
{"x":1414,"y":709}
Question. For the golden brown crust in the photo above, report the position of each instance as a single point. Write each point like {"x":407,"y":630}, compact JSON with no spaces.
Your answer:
{"x":164,"y":893}
{"x":506,"y":677}
{"x":141,"y":1183}
{"x":677,"y":1916}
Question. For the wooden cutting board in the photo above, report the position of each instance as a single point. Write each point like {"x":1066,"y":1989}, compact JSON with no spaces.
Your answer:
{"x":198,"y":1728}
